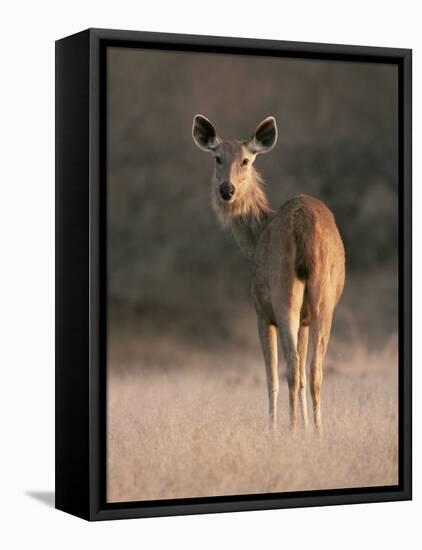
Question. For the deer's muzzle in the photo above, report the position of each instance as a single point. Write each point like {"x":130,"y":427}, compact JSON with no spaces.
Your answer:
{"x":226,"y":191}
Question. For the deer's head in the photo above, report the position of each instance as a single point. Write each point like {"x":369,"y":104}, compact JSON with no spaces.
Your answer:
{"x":234,"y":177}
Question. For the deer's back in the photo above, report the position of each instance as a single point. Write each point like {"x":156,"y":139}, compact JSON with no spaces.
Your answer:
{"x":301,"y":240}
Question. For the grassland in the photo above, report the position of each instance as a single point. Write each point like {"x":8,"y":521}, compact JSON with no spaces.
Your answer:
{"x":198,"y":427}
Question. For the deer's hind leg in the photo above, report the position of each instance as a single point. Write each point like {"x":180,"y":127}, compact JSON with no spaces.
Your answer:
{"x":320,"y":330}
{"x":268,"y":337}
{"x":289,"y":303}
{"x":302,"y":348}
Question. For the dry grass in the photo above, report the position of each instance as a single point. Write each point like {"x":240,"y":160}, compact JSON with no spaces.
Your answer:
{"x":201,"y":429}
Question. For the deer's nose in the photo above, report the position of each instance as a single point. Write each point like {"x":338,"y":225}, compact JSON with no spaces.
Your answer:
{"x":226,"y":190}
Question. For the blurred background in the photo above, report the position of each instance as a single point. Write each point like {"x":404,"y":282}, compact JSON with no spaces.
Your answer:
{"x":187,"y":401}
{"x":172,"y":270}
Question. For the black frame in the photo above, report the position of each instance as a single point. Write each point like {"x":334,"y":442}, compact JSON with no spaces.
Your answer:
{"x":81,"y":274}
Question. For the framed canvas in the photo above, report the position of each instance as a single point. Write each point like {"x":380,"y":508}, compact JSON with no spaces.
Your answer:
{"x":224,"y":344}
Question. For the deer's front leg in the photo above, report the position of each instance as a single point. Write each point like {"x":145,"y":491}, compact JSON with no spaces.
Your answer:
{"x":268,"y":338}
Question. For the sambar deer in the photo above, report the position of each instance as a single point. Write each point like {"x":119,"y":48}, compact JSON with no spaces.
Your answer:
{"x":297,"y":257}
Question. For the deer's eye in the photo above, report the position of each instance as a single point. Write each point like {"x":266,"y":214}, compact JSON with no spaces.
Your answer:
{"x":245,"y":162}
{"x":218,"y":160}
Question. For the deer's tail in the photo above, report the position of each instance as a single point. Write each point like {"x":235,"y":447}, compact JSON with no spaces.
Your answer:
{"x":303,"y":238}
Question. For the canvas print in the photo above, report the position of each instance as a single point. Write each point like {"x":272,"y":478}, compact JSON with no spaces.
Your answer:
{"x":252,"y":274}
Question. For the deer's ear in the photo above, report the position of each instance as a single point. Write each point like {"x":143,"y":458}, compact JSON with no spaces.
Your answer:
{"x":204,"y":134}
{"x":265,"y":136}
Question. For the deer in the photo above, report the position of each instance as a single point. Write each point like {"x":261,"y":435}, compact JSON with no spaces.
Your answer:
{"x":297,"y":261}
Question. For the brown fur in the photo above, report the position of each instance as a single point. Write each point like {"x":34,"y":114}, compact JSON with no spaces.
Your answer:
{"x":298,"y":263}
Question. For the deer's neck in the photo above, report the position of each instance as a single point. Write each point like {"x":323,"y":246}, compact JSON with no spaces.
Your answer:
{"x":247,"y":231}
{"x":249,"y":216}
